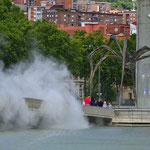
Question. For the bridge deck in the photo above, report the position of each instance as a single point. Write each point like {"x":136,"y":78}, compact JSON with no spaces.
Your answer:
{"x":100,"y":112}
{"x":131,"y":116}
{"x":115,"y":116}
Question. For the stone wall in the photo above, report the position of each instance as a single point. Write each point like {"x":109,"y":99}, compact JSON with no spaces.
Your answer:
{"x":131,"y":116}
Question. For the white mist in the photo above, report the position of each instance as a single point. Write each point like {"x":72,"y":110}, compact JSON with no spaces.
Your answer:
{"x":41,"y":79}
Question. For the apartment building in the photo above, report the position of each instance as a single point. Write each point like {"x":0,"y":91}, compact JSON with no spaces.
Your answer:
{"x":89,"y":12}
{"x":33,"y":8}
{"x":83,"y":5}
{"x":102,"y":7}
{"x":111,"y":15}
{"x":116,"y":10}
{"x":100,"y":17}
{"x":118,"y":28}
{"x":19,"y":1}
{"x":92,"y":6}
{"x":129,"y":16}
{"x":70,"y":18}
{"x":23,"y":5}
{"x":74,"y":18}
{"x":68,"y":4}
{"x":60,"y":2}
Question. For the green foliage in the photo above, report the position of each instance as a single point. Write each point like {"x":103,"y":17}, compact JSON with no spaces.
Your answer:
{"x":110,"y":69}
{"x":123,"y":4}
{"x":126,"y":4}
{"x":13,"y":33}
{"x":57,"y":44}
{"x":132,"y":44}
{"x":19,"y":36}
{"x":89,"y":43}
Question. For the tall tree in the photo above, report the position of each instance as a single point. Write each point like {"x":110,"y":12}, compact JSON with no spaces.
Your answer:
{"x":13,"y":32}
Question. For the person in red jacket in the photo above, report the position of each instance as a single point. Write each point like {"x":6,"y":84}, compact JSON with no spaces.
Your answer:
{"x":87,"y":100}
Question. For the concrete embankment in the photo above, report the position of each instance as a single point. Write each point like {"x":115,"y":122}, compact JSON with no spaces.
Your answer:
{"x":117,"y":117}
{"x":104,"y":116}
{"x":131,"y":117}
{"x":98,"y":115}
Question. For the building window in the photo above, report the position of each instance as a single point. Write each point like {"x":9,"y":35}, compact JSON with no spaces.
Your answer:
{"x":38,"y":17}
{"x":72,"y":16}
{"x":116,"y":29}
{"x":64,"y":19}
{"x":64,"y":15}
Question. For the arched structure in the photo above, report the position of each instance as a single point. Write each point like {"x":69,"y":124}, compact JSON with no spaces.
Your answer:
{"x":124,"y":56}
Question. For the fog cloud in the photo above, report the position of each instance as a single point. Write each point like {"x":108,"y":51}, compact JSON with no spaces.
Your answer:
{"x":41,"y":79}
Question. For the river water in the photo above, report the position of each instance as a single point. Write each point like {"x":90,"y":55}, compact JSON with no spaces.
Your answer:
{"x":95,"y":138}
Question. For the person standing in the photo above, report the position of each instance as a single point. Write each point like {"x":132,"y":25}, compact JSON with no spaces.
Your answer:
{"x":105,"y":104}
{"x":93,"y":103}
{"x":109,"y":105}
{"x":87,"y":100}
{"x":100,"y":103}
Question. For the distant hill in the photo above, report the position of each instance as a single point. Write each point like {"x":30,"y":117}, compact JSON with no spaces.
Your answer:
{"x":126,"y":4}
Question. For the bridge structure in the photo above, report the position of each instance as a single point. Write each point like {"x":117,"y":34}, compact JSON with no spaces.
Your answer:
{"x":104,"y":116}
{"x":98,"y":115}
{"x":117,"y":117}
